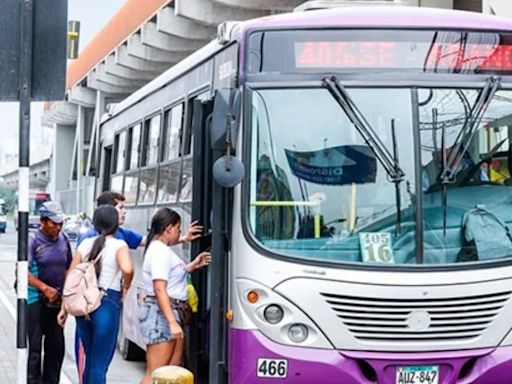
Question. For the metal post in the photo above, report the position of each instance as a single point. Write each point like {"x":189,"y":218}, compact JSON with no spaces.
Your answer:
{"x":25,"y":89}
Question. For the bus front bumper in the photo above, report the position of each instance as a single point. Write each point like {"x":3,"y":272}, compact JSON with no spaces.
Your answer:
{"x":314,"y":366}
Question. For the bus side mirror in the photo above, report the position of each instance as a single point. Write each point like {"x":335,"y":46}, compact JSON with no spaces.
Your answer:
{"x":228,"y":171}
{"x":225,"y":119}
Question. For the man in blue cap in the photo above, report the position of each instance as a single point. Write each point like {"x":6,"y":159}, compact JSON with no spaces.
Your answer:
{"x":49,"y":257}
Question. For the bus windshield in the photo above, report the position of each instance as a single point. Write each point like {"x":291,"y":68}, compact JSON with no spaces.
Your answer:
{"x":321,"y":190}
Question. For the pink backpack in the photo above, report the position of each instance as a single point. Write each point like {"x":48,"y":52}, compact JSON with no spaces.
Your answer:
{"x":81,"y":295}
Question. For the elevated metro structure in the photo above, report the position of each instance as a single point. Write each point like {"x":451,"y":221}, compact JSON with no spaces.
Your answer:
{"x":140,"y":42}
{"x":39,"y":176}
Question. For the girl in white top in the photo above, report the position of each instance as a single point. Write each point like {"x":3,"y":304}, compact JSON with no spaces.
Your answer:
{"x":165,"y":280}
{"x":99,"y":334}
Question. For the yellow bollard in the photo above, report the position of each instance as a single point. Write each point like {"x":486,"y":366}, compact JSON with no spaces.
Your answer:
{"x":172,"y":374}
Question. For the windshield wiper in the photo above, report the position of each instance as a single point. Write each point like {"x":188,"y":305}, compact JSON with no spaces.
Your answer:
{"x":398,"y":200}
{"x":448,"y":172}
{"x":364,"y":128}
{"x":468,"y":130}
{"x":389,"y":162}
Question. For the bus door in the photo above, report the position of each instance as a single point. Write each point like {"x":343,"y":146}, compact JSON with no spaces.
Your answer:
{"x":201,"y":211}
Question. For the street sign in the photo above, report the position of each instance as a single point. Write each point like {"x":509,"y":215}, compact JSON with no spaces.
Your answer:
{"x":48,"y":50}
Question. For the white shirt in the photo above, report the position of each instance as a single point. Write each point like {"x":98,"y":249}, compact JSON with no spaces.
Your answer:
{"x":161,"y":263}
{"x":109,"y":265}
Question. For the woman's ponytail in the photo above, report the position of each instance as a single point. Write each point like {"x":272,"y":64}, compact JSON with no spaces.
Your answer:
{"x":106,"y":222}
{"x":97,"y":246}
{"x":149,"y":239}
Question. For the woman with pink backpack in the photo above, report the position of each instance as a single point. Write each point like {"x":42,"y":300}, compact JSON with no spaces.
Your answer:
{"x":114,"y":271}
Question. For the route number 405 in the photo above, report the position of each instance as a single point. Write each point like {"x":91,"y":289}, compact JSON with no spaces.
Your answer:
{"x":272,"y":368}
{"x":376,"y":247}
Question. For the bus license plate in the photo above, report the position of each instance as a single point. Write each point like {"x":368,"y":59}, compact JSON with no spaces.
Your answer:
{"x":417,"y":374}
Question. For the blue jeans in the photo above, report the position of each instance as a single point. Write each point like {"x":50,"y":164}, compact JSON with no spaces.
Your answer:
{"x":99,"y":336}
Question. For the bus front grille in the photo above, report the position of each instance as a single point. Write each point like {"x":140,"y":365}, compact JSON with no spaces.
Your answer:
{"x":417,"y":319}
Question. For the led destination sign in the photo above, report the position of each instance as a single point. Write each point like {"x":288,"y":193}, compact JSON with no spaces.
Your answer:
{"x":465,"y":52}
{"x":428,"y":57}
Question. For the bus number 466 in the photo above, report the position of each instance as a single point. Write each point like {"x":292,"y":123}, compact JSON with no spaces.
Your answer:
{"x":272,"y":368}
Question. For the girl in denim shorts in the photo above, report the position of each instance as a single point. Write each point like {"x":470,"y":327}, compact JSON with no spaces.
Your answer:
{"x":165,"y":287}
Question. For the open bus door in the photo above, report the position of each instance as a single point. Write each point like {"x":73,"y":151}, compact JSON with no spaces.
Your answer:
{"x":198,"y":343}
{"x":215,"y":126}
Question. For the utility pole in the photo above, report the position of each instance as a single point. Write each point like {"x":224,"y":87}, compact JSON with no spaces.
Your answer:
{"x":25,"y":94}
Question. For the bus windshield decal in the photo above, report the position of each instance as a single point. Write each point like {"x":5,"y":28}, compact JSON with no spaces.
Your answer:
{"x":339,"y":165}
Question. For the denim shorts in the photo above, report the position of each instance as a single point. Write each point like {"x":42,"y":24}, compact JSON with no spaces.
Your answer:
{"x":153,"y":324}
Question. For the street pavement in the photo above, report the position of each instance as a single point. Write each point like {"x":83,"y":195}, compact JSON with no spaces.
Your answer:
{"x":120,"y":371}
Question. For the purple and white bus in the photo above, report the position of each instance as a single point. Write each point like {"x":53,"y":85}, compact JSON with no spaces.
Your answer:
{"x":368,"y":240}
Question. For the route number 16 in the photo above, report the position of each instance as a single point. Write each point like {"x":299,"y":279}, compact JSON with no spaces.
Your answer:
{"x":376,"y":247}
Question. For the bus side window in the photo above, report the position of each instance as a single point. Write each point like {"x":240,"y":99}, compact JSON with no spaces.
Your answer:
{"x":172,"y":131}
{"x":186,"y":148}
{"x":116,"y":182}
{"x":149,"y":169}
{"x":170,"y":168}
{"x":187,"y":145}
{"x":131,"y":180}
{"x":150,"y":143}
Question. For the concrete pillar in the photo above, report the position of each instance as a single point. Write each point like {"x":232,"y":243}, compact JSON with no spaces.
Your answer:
{"x":61,"y":160}
{"x":94,"y":148}
{"x":172,"y":374}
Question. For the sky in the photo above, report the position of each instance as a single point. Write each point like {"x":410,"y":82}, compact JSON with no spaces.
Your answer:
{"x":93,"y":15}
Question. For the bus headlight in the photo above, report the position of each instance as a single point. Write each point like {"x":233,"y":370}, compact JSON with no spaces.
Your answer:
{"x":298,"y":333}
{"x":273,"y":314}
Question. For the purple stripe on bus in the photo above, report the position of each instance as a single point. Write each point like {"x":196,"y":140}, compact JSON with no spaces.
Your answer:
{"x":313,"y":366}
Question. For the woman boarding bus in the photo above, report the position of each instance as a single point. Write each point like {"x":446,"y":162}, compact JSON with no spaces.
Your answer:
{"x":369,"y":239}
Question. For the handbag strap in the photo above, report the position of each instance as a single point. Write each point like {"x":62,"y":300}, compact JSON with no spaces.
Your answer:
{"x":111,"y":281}
{"x":113,"y":277}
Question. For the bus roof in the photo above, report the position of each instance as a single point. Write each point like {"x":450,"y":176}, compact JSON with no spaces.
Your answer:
{"x":172,"y":73}
{"x":381,"y":17}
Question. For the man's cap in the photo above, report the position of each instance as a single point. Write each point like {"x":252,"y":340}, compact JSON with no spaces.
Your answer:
{"x":53,"y":211}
